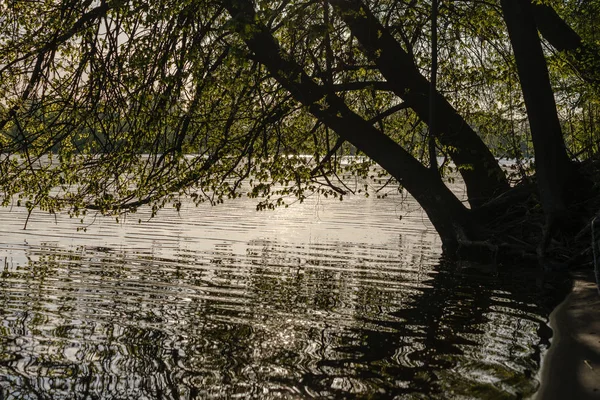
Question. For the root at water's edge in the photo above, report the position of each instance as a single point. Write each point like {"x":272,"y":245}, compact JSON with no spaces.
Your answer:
{"x":513,"y":227}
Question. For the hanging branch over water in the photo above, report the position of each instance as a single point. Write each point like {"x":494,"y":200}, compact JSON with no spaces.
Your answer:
{"x":115,"y":105}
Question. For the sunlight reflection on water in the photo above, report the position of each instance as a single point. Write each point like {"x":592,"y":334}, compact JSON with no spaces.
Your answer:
{"x":322,"y":299}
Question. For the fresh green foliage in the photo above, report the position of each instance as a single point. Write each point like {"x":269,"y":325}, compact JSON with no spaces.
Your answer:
{"x":111,"y":105}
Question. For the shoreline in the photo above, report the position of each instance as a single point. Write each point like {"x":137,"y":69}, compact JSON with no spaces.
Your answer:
{"x":570,"y":368}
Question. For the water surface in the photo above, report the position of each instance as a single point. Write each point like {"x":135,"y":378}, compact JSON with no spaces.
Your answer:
{"x":323,"y":299}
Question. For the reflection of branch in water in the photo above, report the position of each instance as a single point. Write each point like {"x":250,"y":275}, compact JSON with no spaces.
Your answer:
{"x":330,"y":320}
{"x":439,"y":341}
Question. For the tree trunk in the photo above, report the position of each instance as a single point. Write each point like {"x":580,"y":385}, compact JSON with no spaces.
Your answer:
{"x":433,"y":164}
{"x":483,"y":176}
{"x":553,"y":166}
{"x":450,"y":218}
{"x":585,"y":57}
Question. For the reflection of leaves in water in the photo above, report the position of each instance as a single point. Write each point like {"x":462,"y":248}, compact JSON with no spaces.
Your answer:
{"x":329,"y":320}
{"x":438,"y":345}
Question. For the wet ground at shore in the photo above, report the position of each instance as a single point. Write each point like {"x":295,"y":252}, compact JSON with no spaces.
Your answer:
{"x":571,"y":367}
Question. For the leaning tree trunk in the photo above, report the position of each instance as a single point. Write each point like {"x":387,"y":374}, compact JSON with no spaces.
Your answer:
{"x":482,"y":175}
{"x":553,"y":166}
{"x":585,"y":57}
{"x":448,"y":215}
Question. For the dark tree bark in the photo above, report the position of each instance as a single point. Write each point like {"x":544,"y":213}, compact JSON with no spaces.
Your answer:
{"x":585,"y":57}
{"x":553,"y":166}
{"x":480,"y":170}
{"x":433,"y":164}
{"x":450,"y":218}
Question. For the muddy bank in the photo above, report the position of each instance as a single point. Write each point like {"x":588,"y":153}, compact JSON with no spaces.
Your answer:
{"x":571,"y":367}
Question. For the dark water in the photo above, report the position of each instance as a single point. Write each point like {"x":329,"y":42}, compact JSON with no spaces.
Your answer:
{"x":323,"y":299}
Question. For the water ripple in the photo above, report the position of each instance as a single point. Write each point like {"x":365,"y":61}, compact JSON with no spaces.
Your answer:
{"x":323,"y":299}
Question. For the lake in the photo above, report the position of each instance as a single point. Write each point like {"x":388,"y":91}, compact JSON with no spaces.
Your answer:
{"x":323,"y":299}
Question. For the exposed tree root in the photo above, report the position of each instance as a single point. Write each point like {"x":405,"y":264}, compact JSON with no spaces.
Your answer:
{"x":514,"y":227}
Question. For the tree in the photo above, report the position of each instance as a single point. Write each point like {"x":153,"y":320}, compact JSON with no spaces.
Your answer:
{"x":552,"y":162}
{"x":104,"y":103}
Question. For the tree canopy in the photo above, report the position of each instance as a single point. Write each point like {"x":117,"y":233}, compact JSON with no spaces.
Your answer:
{"x":111,"y":105}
